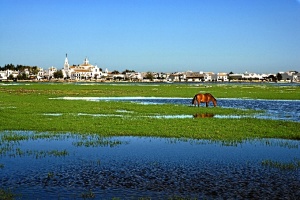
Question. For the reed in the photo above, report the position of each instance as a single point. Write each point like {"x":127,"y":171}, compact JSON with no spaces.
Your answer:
{"x":292,"y":165}
{"x":7,"y":194}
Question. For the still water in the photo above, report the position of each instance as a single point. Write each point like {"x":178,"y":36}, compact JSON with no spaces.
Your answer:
{"x":75,"y":167}
{"x":273,"y":109}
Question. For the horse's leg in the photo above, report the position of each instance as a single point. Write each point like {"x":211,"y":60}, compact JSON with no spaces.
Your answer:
{"x":206,"y":104}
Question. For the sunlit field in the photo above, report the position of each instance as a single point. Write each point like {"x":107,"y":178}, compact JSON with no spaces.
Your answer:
{"x":37,"y":107}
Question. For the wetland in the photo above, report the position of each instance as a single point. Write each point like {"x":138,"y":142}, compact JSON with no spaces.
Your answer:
{"x":147,"y":167}
{"x":273,"y":109}
{"x":116,"y":141}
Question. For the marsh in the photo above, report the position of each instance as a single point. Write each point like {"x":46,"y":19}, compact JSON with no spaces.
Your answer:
{"x":148,"y":167}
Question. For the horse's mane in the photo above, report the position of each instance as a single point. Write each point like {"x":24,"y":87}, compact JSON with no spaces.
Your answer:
{"x":212,"y":96}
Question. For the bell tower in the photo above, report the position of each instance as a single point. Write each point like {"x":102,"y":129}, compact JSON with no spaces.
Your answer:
{"x":86,"y":61}
{"x":66,"y":65}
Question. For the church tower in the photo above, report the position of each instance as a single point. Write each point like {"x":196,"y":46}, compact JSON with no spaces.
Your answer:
{"x":66,"y":65}
{"x":86,"y":62}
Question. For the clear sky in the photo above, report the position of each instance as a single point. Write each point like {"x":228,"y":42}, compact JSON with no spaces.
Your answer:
{"x":153,"y":35}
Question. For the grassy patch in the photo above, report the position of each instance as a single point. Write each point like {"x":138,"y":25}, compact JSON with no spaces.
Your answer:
{"x":7,"y":194}
{"x":293,"y":165}
{"x":29,"y":108}
{"x":255,"y":91}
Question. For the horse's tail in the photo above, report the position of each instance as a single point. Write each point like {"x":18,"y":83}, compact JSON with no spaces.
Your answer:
{"x":194,"y":99}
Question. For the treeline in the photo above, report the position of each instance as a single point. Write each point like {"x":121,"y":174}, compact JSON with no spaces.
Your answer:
{"x":31,"y":69}
{"x":124,"y":72}
{"x":32,"y":72}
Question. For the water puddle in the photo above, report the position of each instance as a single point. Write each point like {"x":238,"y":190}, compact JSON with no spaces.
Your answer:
{"x":52,"y":114}
{"x":124,"y":114}
{"x":171,"y":116}
{"x":45,"y":166}
{"x":197,"y":115}
{"x":124,"y":111}
{"x":99,"y":115}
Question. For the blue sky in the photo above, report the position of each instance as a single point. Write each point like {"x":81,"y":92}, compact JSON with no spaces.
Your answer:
{"x":153,"y":35}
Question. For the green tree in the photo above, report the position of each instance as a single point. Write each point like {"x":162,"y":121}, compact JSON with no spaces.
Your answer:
{"x":279,"y":77}
{"x":34,"y":70}
{"x":127,"y":71}
{"x":9,"y":66}
{"x":115,"y":72}
{"x":22,"y":76}
{"x":272,"y":78}
{"x":11,"y":77}
{"x":58,"y":74}
{"x":149,"y":76}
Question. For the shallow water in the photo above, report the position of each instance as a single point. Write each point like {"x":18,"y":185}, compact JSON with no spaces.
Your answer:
{"x":274,"y":109}
{"x":135,"y":167}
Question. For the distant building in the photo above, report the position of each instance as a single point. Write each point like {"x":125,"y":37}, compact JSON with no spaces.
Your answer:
{"x":209,"y":76}
{"x":40,"y":74}
{"x":161,"y":76}
{"x":235,"y":76}
{"x":290,"y":76}
{"x":83,"y":71}
{"x":49,"y":74}
{"x":247,"y":76}
{"x":134,"y":76}
{"x":222,"y":77}
{"x":194,"y":76}
{"x":3,"y":75}
{"x":177,"y":77}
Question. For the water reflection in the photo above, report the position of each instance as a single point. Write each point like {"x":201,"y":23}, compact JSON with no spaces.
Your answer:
{"x":137,"y":167}
{"x":203,"y":115}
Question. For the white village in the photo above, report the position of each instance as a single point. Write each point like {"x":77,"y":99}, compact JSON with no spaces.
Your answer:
{"x":89,"y":72}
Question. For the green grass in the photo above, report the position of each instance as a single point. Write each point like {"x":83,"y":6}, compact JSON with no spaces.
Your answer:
{"x":7,"y":195}
{"x":293,"y":165}
{"x":254,"y":91}
{"x":27,"y":107}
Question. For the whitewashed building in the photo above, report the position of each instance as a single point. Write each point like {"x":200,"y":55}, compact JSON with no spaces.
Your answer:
{"x":41,"y":74}
{"x":3,"y":75}
{"x":83,"y":71}
{"x":249,"y":76}
{"x":134,"y":76}
{"x":49,"y":74}
{"x":222,"y":76}
{"x":208,"y":76}
{"x":177,"y":77}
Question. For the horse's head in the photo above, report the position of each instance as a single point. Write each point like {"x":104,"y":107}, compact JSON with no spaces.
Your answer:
{"x":214,"y":102}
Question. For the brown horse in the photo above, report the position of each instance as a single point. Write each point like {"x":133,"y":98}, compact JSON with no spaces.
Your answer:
{"x":201,"y":98}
